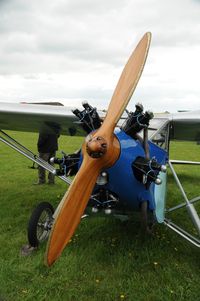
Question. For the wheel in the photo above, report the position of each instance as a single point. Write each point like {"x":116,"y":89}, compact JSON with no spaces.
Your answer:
{"x":40,"y":223}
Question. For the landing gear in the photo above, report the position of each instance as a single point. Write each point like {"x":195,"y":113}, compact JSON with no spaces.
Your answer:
{"x":147,"y":221}
{"x":40,"y":224}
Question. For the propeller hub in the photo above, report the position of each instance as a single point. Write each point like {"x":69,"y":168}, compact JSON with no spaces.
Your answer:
{"x":96,"y":147}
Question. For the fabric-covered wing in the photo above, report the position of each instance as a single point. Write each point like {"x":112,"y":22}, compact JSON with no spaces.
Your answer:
{"x":186,"y":126}
{"x":39,"y":118}
{"x":183,"y":125}
{"x":48,"y":118}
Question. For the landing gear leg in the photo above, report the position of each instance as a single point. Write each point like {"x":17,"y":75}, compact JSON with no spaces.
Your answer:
{"x":145,"y":225}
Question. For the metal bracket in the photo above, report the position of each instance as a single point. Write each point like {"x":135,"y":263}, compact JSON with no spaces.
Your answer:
{"x":188,"y":204}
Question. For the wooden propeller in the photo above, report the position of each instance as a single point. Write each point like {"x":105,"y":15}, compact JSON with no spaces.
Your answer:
{"x":100,"y":150}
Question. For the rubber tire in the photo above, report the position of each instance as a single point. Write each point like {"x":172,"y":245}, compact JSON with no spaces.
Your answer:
{"x":33,"y":239}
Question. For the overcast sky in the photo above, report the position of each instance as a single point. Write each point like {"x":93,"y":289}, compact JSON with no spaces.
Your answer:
{"x":72,"y":50}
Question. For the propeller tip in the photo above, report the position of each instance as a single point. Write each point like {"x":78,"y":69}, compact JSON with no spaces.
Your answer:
{"x":47,"y":261}
{"x":148,"y":34}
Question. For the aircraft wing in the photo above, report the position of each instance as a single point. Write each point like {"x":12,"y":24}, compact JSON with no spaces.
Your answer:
{"x":183,"y":125}
{"x":186,"y":126}
{"x":39,"y":118}
{"x":48,"y":118}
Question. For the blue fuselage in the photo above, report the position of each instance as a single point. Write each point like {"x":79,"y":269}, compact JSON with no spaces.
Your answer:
{"x":122,"y":181}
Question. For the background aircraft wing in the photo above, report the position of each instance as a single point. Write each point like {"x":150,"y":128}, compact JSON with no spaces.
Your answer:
{"x":39,"y":118}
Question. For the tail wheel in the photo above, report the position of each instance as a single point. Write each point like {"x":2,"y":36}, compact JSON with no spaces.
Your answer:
{"x":40,"y":223}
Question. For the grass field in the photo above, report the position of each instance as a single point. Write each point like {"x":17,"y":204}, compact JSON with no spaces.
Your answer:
{"x":106,"y":260}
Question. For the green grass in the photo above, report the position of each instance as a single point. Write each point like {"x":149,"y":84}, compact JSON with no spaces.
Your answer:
{"x":106,"y":260}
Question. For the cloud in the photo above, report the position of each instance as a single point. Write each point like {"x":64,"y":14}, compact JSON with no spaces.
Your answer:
{"x":72,"y":49}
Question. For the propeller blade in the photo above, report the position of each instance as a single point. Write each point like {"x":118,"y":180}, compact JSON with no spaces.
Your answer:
{"x":75,"y":200}
{"x":127,"y":84}
{"x":100,"y":151}
{"x":73,"y":206}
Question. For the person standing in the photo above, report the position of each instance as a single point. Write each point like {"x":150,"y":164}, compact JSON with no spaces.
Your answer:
{"x":47,"y":146}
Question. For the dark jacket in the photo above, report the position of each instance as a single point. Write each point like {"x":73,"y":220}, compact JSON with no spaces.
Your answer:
{"x":47,"y":143}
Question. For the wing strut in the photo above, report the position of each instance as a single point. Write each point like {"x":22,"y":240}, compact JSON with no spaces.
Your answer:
{"x":9,"y":141}
{"x":189,"y":204}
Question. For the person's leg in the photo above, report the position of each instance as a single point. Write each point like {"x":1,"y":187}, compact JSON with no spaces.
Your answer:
{"x":41,"y":170}
{"x":51,"y":177}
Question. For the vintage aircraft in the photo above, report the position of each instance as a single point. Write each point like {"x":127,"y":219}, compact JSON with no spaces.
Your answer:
{"x":117,"y":170}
